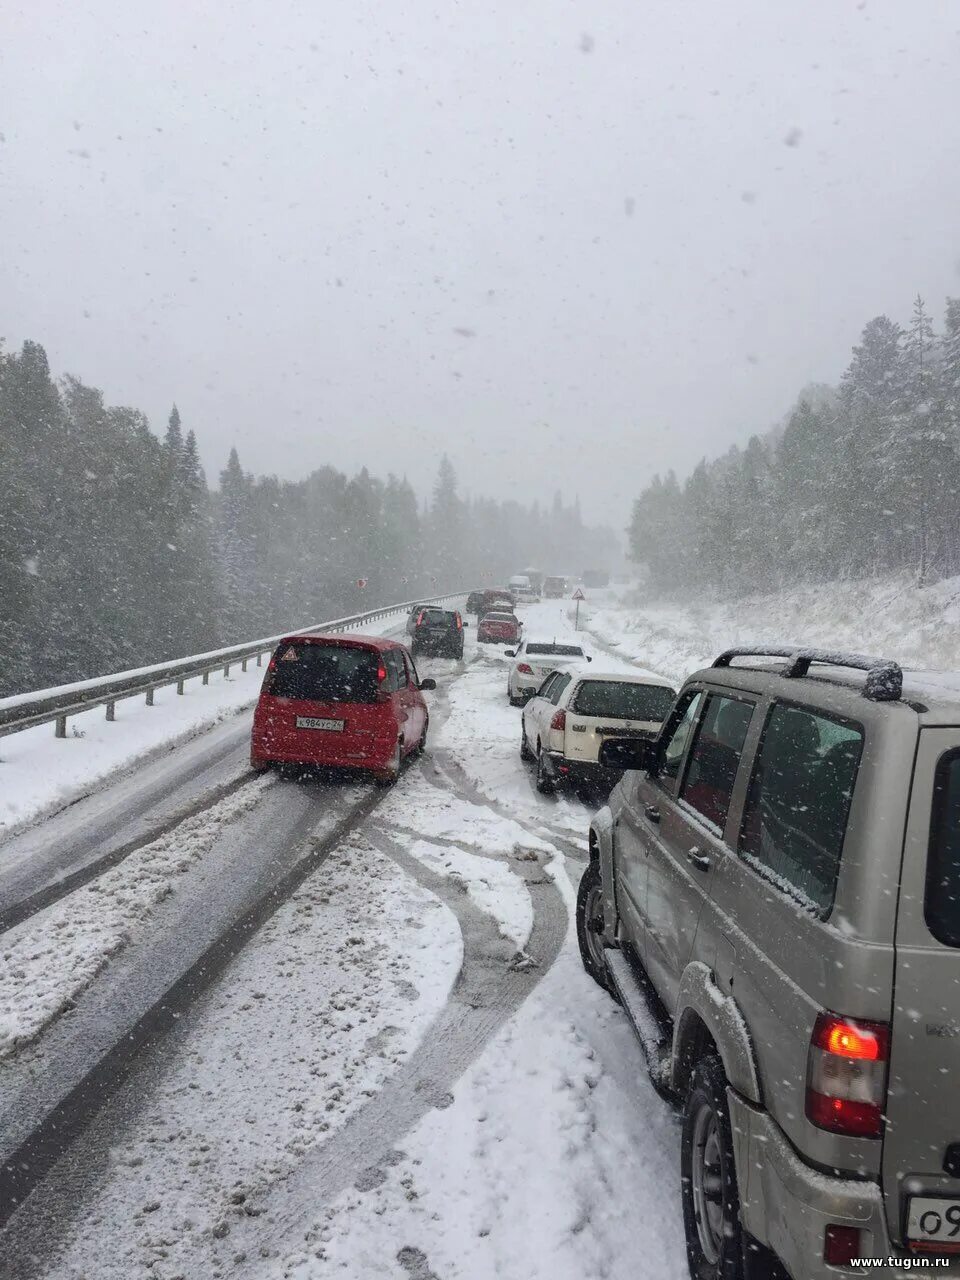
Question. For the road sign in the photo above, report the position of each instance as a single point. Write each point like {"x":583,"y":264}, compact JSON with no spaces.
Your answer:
{"x":361,"y":583}
{"x":578,"y":595}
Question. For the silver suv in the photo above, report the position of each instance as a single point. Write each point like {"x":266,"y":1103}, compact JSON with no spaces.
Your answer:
{"x":773,"y":894}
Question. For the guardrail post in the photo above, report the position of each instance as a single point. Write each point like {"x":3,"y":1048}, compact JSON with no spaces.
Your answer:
{"x":226,"y":670}
{"x":206,"y":677}
{"x":243,"y":664}
{"x":179,"y":686}
{"x":61,"y":726}
{"x":149,"y":697}
{"x":111,"y":710}
{"x":259,"y":659}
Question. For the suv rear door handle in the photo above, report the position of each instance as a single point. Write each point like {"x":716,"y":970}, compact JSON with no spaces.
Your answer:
{"x":651,"y":812}
{"x":698,"y":859}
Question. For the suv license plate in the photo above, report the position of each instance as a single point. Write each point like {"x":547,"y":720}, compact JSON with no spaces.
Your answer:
{"x":312,"y":722}
{"x":934,"y":1220}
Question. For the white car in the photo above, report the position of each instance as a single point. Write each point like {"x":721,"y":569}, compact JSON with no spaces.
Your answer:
{"x":572,"y":712}
{"x":535,"y":659}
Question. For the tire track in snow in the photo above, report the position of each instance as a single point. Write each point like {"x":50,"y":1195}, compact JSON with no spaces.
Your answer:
{"x":487,"y":992}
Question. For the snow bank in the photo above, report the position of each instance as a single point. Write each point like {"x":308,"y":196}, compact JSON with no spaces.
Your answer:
{"x":890,"y":617}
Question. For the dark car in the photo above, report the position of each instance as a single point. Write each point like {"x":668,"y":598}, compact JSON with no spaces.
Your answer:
{"x":474,"y":602}
{"x":438,"y":631}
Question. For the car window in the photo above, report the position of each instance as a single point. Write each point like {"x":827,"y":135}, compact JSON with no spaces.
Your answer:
{"x":396,"y":670}
{"x":941,"y":906}
{"x":715,"y":757}
{"x":677,"y":735}
{"x":556,"y":690}
{"x":413,"y":677}
{"x":795,"y":817}
{"x":434,"y":616}
{"x":623,"y":700}
{"x":325,"y":673}
{"x":556,"y":650}
{"x":547,"y":686}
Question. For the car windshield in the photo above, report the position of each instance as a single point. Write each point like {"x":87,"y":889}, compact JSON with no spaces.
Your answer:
{"x":623,"y":700}
{"x":555,"y":650}
{"x":325,"y":673}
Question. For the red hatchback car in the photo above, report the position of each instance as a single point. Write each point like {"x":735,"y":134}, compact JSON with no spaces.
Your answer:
{"x":350,"y":702}
{"x":498,"y":628}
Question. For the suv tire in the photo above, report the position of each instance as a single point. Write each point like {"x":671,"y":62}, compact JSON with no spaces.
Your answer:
{"x":544,"y":782}
{"x":590,"y":925}
{"x":708,"y":1178}
{"x":525,"y":752}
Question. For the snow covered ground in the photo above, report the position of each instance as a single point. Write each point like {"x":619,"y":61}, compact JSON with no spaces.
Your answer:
{"x":890,"y":617}
{"x":56,"y":954}
{"x":548,"y":1154}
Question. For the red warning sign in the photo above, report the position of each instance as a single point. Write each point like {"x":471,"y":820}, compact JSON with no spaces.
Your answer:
{"x":361,"y":583}
{"x":578,"y":595}
{"x":291,"y":655}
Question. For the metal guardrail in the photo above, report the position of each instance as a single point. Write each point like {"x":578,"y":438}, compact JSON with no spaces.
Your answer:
{"x":24,"y":710}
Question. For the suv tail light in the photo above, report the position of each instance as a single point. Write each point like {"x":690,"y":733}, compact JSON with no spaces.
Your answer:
{"x":846,"y":1075}
{"x":419,"y":618}
{"x":559,"y":720}
{"x":459,"y":623}
{"x":525,"y":668}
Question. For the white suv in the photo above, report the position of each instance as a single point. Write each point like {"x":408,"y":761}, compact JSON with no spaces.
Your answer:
{"x":572,"y":714}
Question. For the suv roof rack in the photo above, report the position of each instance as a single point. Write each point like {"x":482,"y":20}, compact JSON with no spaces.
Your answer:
{"x":884,"y":682}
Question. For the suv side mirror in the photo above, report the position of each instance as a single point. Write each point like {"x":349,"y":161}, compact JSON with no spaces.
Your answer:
{"x":429,"y":683}
{"x":589,"y":659}
{"x":628,"y":753}
{"x":509,"y":653}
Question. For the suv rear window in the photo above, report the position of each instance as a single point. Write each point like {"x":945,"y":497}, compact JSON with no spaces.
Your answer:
{"x":941,"y":904}
{"x":795,"y":818}
{"x":325,"y":673}
{"x":715,"y":757}
{"x":557,"y":650}
{"x":437,"y":617}
{"x":623,"y":700}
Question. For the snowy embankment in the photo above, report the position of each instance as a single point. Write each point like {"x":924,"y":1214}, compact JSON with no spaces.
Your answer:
{"x":889,"y":617}
{"x":40,"y":773}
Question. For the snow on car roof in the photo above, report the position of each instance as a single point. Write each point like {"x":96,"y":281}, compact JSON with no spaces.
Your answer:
{"x":626,"y":677}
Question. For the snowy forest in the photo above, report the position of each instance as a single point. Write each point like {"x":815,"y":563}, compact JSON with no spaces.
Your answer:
{"x":862,"y":479}
{"x":114,"y":553}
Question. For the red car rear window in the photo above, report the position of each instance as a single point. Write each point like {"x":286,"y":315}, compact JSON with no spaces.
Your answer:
{"x":324,"y":673}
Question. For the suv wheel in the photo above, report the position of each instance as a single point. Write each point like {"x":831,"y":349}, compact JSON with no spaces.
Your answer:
{"x":590,"y":925}
{"x":708,"y":1178}
{"x":525,"y":752}
{"x":544,"y":781}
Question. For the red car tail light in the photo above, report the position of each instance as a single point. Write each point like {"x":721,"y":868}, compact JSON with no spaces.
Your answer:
{"x":846,"y":1075}
{"x":459,"y":623}
{"x":525,"y":668}
{"x":419,"y":618}
{"x":840,"y":1244}
{"x":559,"y":720}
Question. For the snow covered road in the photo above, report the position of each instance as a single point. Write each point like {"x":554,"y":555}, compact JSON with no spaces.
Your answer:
{"x":399,"y":1068}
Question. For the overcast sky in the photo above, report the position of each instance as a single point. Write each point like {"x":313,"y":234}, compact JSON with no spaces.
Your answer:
{"x":572,"y":244}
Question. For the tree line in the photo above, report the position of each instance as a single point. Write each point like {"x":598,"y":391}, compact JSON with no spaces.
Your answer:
{"x":862,"y":479}
{"x":115,"y":554}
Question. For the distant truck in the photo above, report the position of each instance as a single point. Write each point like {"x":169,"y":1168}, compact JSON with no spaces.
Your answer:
{"x":554,"y":587}
{"x":596,"y":578}
{"x":536,"y":580}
